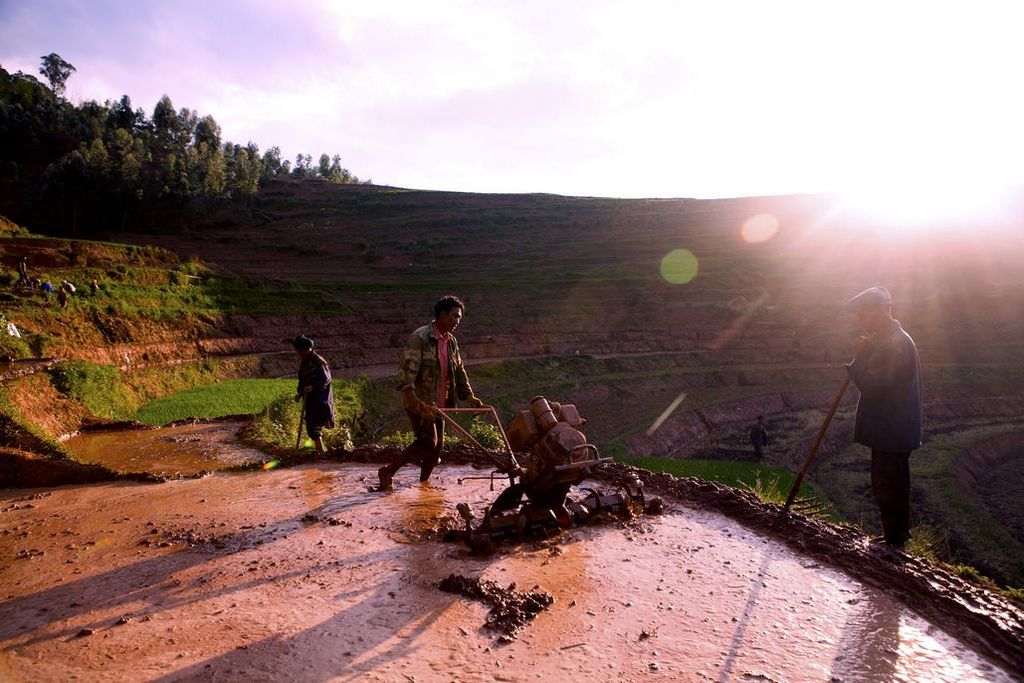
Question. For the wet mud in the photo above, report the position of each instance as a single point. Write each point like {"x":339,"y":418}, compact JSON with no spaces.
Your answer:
{"x":977,"y":616}
{"x":20,"y":468}
{"x":193,"y":448}
{"x":302,"y":573}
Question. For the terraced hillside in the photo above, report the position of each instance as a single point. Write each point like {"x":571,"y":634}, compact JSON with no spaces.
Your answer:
{"x":578,"y":284}
{"x":547,"y":274}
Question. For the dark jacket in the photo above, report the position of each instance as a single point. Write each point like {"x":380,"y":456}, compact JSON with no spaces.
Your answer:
{"x":758,"y":436}
{"x":888,"y":373}
{"x":420,"y":368}
{"x":315,"y":372}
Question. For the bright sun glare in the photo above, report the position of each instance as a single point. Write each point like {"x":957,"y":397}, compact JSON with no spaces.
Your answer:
{"x":908,"y":206}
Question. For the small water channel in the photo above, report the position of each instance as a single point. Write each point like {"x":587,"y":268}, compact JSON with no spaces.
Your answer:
{"x":186,"y":449}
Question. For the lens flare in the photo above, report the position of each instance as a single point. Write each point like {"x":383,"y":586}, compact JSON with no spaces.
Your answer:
{"x":666,"y":414}
{"x":759,"y":228}
{"x":271,"y":464}
{"x":679,"y":266}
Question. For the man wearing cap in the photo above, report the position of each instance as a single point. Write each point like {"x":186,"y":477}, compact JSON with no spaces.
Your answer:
{"x":315,"y":388}
{"x":887,"y":371}
{"x":431,"y":375}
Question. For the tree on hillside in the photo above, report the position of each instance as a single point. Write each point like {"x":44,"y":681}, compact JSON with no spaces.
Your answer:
{"x":21,"y":90}
{"x":71,"y":167}
{"x":172,"y":174}
{"x":121,"y":115}
{"x":173,"y":131}
{"x":339,"y":174}
{"x":57,"y":71}
{"x":303,"y":163}
{"x":127,"y":155}
{"x":272,"y":163}
{"x":207,"y":132}
{"x":97,"y":159}
{"x":67,"y":182}
{"x":165,"y":118}
{"x":244,"y":165}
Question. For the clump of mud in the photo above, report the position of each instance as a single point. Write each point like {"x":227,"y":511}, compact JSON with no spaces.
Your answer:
{"x":511,"y":610}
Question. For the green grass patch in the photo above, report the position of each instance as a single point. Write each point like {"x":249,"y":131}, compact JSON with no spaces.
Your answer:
{"x":12,"y":348}
{"x":356,"y":402}
{"x":230,"y":397}
{"x":108,"y":393}
{"x":150,"y":282}
{"x":1015,"y":594}
{"x":156,"y":382}
{"x":770,"y":484}
{"x":992,"y":546}
{"x":278,"y":424}
{"x":98,"y":387}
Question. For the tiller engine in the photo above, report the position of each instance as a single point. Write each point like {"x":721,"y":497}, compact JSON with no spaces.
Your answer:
{"x":547,"y":455}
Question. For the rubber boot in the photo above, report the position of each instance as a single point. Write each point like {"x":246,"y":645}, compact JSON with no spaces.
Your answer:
{"x":386,"y":479}
{"x":427,"y":466}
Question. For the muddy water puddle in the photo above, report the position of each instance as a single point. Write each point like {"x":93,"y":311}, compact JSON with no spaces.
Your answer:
{"x":186,"y":449}
{"x":304,"y":574}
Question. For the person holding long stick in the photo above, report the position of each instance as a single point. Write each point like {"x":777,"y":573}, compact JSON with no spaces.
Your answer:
{"x":887,"y":371}
{"x":315,"y":390}
{"x":431,"y":376}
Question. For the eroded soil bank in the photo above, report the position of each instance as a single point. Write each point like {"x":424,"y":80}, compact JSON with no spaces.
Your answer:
{"x":302,"y":573}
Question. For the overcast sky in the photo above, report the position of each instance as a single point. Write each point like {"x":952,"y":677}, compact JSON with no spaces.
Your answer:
{"x":681,"y":99}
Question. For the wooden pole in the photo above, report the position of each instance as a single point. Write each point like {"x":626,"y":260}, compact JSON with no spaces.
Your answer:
{"x":485,"y":409}
{"x":458,"y":427}
{"x":817,"y":442}
{"x":494,"y":415}
{"x":302,"y":417}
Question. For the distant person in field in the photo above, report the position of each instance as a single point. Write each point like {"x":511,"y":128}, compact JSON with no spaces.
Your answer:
{"x":759,"y":437}
{"x":315,"y":389}
{"x":23,"y":271}
{"x":887,"y":371}
{"x":431,"y":375}
{"x":62,"y":297}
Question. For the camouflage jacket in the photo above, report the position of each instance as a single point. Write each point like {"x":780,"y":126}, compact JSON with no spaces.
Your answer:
{"x":419,"y":368}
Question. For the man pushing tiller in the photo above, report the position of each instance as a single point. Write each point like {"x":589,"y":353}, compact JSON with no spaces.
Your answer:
{"x":431,"y":376}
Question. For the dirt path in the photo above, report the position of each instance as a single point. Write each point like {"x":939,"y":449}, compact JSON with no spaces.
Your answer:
{"x":303,"y":574}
